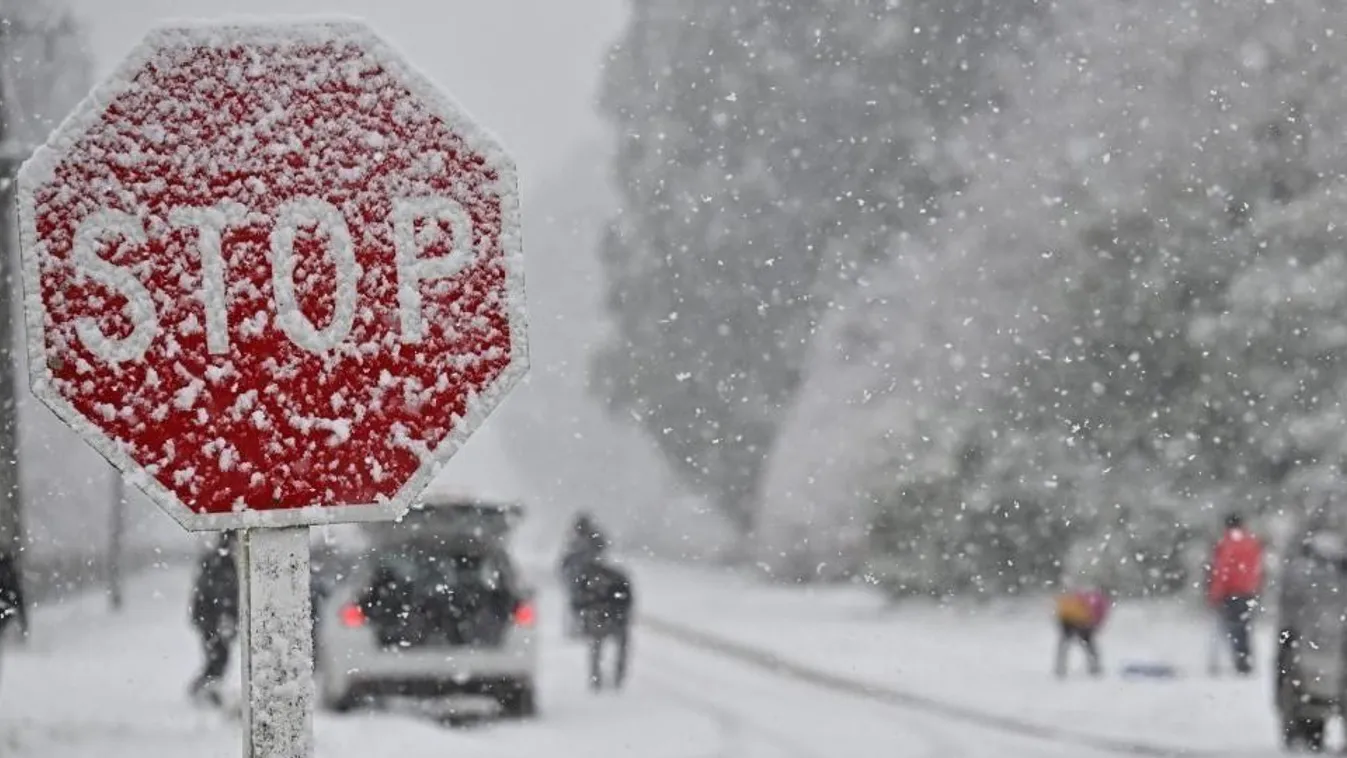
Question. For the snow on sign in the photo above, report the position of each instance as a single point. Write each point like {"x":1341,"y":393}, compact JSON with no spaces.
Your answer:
{"x":272,"y":274}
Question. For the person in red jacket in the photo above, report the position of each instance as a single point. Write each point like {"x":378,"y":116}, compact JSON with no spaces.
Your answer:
{"x":1234,"y":584}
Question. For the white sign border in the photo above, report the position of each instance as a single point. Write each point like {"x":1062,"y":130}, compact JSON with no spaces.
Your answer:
{"x":41,"y":168}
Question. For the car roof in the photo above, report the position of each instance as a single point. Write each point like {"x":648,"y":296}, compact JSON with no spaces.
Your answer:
{"x":444,"y":519}
{"x":457,"y":545}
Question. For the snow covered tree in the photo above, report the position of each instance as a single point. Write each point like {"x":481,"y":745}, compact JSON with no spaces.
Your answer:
{"x":1133,"y":363}
{"x":1275,"y":352}
{"x":1182,"y":126}
{"x":573,"y":454}
{"x":769,"y":154}
{"x":896,"y":461}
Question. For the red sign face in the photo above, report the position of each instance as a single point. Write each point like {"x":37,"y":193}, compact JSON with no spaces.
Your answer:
{"x":272,"y":274}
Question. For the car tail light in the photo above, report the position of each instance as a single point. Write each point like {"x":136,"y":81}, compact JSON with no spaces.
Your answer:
{"x":525,"y":615}
{"x":352,"y":615}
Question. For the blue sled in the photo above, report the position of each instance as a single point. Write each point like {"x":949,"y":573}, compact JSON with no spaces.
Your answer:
{"x":1149,"y":671}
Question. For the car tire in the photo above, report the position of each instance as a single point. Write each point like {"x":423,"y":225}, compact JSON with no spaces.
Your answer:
{"x":1312,"y":732}
{"x":1290,"y":733}
{"x":1304,"y":734}
{"x":518,"y":700}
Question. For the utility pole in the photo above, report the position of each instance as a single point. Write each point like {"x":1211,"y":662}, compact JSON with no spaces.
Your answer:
{"x":11,"y":493}
{"x":116,"y":541}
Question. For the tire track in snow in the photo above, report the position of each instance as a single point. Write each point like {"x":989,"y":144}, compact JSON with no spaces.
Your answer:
{"x":909,"y":700}
{"x":732,"y":726}
{"x":685,"y":685}
{"x":92,"y":732}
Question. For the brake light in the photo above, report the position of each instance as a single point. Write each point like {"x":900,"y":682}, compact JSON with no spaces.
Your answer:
{"x":525,"y":615}
{"x":352,"y":615}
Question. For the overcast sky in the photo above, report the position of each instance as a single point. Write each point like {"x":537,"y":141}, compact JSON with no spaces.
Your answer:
{"x":527,"y":69}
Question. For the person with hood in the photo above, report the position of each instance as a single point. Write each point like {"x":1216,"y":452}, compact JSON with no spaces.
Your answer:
{"x":215,"y":613}
{"x":587,"y":544}
{"x":603,"y":602}
{"x":1311,"y":635}
{"x":1080,"y":615}
{"x":1233,"y":586}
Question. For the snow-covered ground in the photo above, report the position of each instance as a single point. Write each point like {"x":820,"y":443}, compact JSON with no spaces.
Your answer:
{"x":993,"y":664}
{"x":92,"y":683}
{"x":115,"y":686}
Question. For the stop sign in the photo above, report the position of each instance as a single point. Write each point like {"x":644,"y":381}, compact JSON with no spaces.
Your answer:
{"x":272,"y":274}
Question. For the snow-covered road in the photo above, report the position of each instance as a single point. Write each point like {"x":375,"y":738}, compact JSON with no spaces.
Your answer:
{"x":988,"y":667}
{"x":114,"y":686}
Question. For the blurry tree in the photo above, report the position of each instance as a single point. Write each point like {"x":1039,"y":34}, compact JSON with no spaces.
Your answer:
{"x":1276,"y":349}
{"x":573,"y":453}
{"x":1129,"y":316}
{"x":46,"y":68}
{"x":43,"y":73}
{"x":1157,"y":139}
{"x":769,"y":153}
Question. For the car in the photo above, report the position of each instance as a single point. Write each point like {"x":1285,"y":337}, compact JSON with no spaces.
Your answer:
{"x":1312,"y":630}
{"x":433,"y":606}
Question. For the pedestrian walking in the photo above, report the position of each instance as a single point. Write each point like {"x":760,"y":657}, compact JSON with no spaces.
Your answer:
{"x":586,"y":544}
{"x":603,"y":602}
{"x":1080,"y":615}
{"x":13,"y":607}
{"x":215,"y":614}
{"x":1234,"y":582}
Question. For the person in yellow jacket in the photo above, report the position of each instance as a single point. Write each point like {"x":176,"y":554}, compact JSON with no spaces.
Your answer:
{"x":1080,"y":615}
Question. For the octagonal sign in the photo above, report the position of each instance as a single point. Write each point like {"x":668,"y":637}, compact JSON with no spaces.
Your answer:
{"x":272,"y":274}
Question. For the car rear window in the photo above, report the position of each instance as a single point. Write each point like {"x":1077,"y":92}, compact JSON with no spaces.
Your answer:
{"x":428,"y":569}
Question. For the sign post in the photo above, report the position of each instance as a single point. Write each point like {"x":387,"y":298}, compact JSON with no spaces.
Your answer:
{"x":277,"y":644}
{"x":275,"y":277}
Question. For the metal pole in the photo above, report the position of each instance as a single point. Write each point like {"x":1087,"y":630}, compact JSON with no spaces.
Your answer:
{"x":11,"y":491}
{"x":115,"y":540}
{"x":10,"y":521}
{"x":277,"y":644}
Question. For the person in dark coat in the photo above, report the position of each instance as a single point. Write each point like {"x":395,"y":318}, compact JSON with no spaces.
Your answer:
{"x":215,"y":612}
{"x":13,"y":608}
{"x":587,"y":544}
{"x":603,"y":601}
